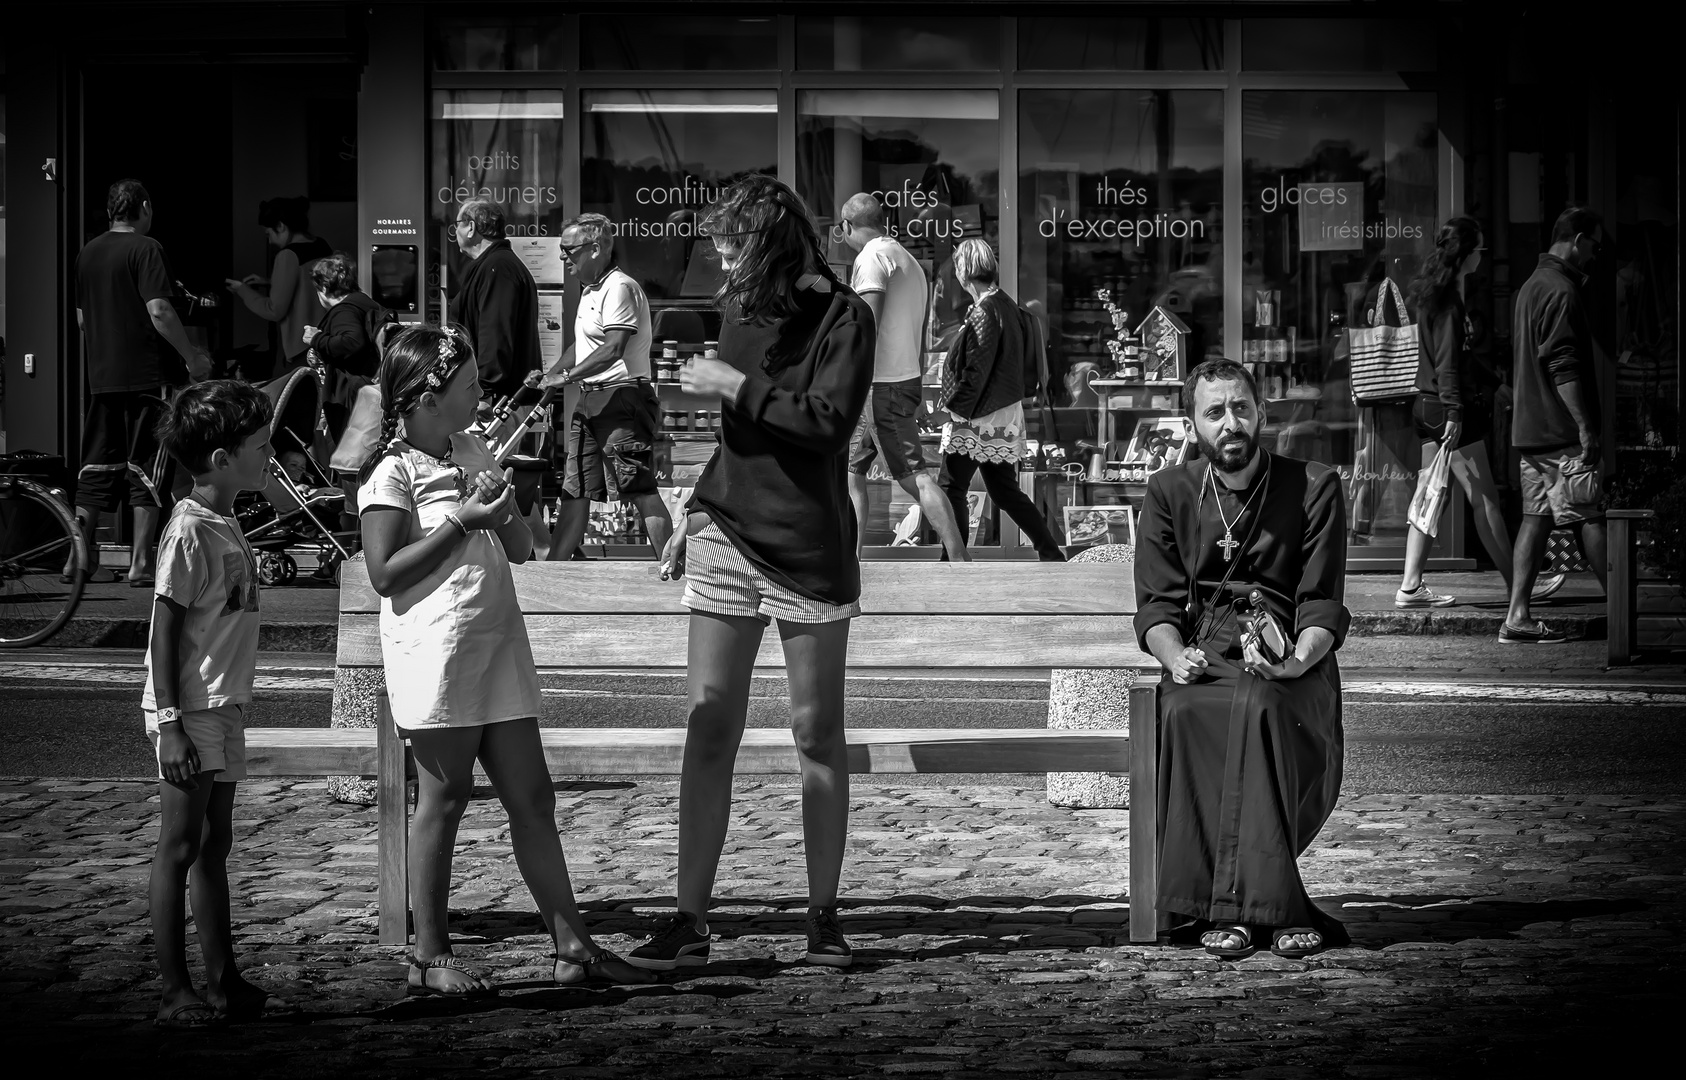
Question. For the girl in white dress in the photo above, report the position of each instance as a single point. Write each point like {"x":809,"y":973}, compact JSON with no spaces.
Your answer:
{"x":439,"y":534}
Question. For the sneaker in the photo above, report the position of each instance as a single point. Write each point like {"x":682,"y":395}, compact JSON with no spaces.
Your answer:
{"x":1421,"y":596}
{"x":1545,"y":635}
{"x":1546,"y":586}
{"x":675,"y":943}
{"x":826,"y":944}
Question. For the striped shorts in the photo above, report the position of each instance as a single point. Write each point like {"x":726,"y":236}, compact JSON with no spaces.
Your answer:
{"x":719,"y":580}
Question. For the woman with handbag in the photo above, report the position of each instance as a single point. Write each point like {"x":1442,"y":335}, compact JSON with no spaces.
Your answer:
{"x":770,"y":534}
{"x":983,"y":391}
{"x":1454,"y":410}
{"x":352,"y":359}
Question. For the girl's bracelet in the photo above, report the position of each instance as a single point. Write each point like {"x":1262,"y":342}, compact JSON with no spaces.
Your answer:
{"x":457,"y":521}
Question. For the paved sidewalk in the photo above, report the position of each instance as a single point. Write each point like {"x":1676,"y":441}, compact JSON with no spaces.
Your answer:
{"x":1495,"y":936}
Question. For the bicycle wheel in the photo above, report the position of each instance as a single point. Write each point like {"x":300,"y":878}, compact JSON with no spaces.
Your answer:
{"x":38,"y":536}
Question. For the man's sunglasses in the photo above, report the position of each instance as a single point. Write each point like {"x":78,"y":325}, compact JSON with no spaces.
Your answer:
{"x":571,"y":249}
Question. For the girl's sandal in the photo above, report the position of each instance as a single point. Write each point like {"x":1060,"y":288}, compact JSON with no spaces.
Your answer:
{"x":417,"y":985}
{"x":1246,"y":948}
{"x":1298,"y":952}
{"x":590,"y":970}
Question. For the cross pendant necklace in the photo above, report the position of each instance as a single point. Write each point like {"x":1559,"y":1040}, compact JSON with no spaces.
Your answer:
{"x":1229,"y":543}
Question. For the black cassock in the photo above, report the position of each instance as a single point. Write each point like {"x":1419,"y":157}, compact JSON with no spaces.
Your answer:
{"x":1249,"y":768}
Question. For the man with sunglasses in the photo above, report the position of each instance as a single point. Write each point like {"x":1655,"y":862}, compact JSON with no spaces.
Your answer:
{"x":1554,"y":425}
{"x":612,"y":436}
{"x":497,"y":301}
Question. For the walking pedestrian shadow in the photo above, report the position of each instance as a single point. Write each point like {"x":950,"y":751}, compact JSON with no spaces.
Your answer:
{"x":1376,"y":922}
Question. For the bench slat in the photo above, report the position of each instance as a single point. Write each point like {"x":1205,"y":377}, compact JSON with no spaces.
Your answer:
{"x":977,"y":588}
{"x":875,"y":641}
{"x":660,"y":751}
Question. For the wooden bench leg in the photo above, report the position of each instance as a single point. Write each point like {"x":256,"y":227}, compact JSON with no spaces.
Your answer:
{"x":1622,"y":608}
{"x":394,"y":834}
{"x":1144,"y":813}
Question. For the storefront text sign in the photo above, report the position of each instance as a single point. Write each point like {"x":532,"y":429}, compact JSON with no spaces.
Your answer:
{"x":393,"y":226}
{"x":1101,"y":225}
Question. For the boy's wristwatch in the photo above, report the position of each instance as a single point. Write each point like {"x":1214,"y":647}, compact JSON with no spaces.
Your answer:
{"x":169,"y":714}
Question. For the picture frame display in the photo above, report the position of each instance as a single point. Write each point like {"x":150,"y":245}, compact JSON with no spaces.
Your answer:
{"x":1092,"y":526}
{"x":1158,"y":441}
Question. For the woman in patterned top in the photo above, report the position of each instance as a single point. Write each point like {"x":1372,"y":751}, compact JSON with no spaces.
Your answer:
{"x":983,"y":391}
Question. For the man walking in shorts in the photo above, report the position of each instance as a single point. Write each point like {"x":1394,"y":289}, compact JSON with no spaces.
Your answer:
{"x":612,"y":439}
{"x":894,"y":287}
{"x":123,"y":308}
{"x":1554,"y":424}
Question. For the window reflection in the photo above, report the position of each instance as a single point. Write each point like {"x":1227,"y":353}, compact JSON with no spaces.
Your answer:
{"x":1109,"y":44}
{"x":1339,"y":195}
{"x":932,"y":158}
{"x":1337,"y":45}
{"x":506,"y":44}
{"x":897,"y":43}
{"x":1119,"y":190}
{"x":678,"y":42}
{"x":505,"y":146}
{"x":651,"y":162}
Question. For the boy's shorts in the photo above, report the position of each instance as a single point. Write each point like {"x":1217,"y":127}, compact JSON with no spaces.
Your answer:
{"x":889,"y":427}
{"x":1555,"y":485}
{"x":218,"y":734}
{"x":719,"y":580}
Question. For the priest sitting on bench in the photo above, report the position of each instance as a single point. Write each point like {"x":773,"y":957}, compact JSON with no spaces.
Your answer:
{"x":1240,"y":574}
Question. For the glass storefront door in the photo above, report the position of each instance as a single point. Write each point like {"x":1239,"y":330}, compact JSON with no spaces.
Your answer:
{"x":1339,"y":193}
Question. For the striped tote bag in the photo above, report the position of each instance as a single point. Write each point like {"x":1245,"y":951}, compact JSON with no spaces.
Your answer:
{"x":1384,"y":357}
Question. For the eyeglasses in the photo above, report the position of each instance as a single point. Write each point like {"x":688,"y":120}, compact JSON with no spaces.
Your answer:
{"x":570,"y":250}
{"x":460,"y":222}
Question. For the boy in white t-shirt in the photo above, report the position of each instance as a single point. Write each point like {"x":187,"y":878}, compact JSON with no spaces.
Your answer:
{"x":199,"y":662}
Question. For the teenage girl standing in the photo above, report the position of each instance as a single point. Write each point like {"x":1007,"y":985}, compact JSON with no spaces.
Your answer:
{"x":439,"y":534}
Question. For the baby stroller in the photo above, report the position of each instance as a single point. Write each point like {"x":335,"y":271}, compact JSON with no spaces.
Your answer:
{"x":302,"y":504}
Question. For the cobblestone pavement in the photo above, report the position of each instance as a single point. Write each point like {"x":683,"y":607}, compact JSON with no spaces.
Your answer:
{"x":1493,"y":936}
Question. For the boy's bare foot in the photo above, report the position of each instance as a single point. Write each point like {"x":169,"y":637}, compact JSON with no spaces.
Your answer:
{"x":186,"y":1010}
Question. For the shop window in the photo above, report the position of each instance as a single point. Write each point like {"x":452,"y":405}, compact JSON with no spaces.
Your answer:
{"x":1339,"y":196}
{"x":678,"y":43}
{"x":1108,"y":44}
{"x":1337,"y":45}
{"x":502,"y":145}
{"x":897,"y":43}
{"x":932,"y":158}
{"x":651,"y":162}
{"x":2,"y":227}
{"x":1119,"y":190}
{"x":498,"y":44}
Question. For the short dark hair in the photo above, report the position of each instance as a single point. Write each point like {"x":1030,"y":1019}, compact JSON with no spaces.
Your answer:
{"x":123,"y":202}
{"x":209,"y":416}
{"x":335,"y":274}
{"x":1575,"y":220}
{"x":488,"y":220}
{"x":294,"y":213}
{"x":1219,"y":369}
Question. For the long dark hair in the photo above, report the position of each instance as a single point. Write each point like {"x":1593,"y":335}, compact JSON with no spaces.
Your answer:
{"x":415,"y":360}
{"x":777,"y":243}
{"x":1431,"y":290}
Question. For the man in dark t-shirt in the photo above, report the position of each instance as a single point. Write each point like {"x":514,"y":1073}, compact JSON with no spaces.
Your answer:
{"x":123,"y":307}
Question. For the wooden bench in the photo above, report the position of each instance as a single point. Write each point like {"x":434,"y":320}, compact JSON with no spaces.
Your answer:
{"x":916,"y":616}
{"x":1622,"y":582}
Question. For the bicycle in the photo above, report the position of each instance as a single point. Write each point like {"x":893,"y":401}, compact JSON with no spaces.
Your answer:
{"x":39,"y":540}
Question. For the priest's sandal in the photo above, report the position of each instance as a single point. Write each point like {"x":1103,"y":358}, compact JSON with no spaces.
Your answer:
{"x":600,"y":968}
{"x":826,"y":944}
{"x":1218,"y":941}
{"x":676,"y":943}
{"x":188,"y":1015}
{"x":1283,"y":943}
{"x":445,"y":976}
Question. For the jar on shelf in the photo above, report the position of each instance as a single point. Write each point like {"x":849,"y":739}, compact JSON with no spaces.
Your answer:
{"x":670,"y":351}
{"x":711,"y":350}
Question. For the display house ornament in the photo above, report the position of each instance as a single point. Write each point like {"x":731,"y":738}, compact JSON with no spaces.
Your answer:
{"x":1164,"y":339}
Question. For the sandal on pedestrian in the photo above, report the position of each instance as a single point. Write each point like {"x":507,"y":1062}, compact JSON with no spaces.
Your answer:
{"x":244,"y":1005}
{"x":417,"y":985}
{"x":1297,"y":952}
{"x":1212,"y":937}
{"x":589,"y":971}
{"x":190,"y":1014}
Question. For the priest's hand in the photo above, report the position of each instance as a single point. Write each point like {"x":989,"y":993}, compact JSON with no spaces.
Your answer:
{"x":1253,"y":660}
{"x":1188,"y":666}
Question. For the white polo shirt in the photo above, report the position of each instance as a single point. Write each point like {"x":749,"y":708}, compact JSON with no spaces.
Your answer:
{"x":614,"y":302}
{"x":884,"y":266}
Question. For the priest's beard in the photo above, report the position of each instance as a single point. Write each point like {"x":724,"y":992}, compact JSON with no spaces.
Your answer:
{"x":1232,"y":453}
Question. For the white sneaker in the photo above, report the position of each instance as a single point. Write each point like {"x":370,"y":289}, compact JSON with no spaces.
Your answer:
{"x":1544,"y":587}
{"x":1420,"y":597}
